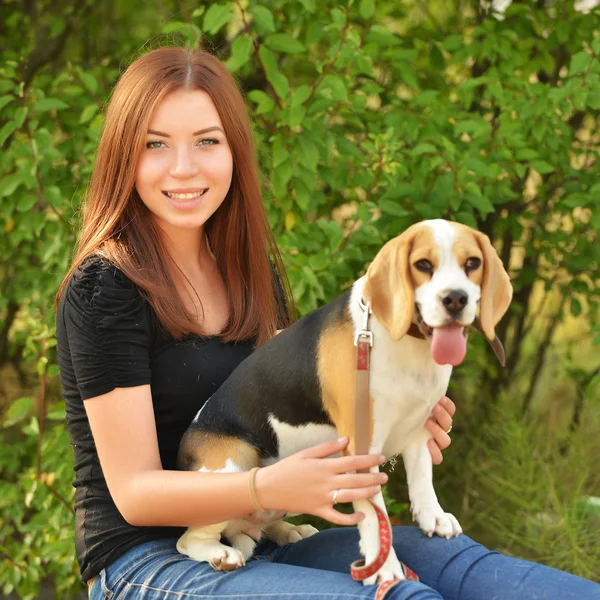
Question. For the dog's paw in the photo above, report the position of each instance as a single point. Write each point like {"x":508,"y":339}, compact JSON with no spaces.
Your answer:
{"x":301,"y":532}
{"x":434,"y":520}
{"x":244,"y":543}
{"x":285,"y":533}
{"x":224,"y":558}
{"x":391,"y":569}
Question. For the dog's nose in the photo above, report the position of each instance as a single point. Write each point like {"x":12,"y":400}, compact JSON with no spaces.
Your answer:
{"x":455,"y":301}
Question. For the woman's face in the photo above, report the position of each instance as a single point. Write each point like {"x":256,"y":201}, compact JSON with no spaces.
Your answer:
{"x":185,"y":170}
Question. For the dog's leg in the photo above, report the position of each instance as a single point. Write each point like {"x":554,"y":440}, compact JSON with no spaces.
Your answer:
{"x":203,"y":544}
{"x":368,"y":529}
{"x":285,"y":533}
{"x":425,"y":507}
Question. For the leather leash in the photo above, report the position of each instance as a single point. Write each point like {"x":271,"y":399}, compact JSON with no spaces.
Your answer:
{"x":362,"y":430}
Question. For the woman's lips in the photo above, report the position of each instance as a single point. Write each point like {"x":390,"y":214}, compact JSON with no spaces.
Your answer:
{"x":186,"y":200}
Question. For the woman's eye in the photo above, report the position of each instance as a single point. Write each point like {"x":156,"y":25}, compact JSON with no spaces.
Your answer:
{"x":208,"y":142}
{"x":155,"y":144}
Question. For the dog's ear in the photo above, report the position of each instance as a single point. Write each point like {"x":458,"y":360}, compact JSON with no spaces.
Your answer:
{"x":389,"y":288}
{"x":496,"y":290}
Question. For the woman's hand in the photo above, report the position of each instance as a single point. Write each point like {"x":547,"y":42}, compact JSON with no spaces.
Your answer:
{"x":305,"y":482}
{"x":440,"y":424}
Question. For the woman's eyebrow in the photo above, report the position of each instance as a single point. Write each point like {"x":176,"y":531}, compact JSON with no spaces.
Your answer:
{"x":199,"y":132}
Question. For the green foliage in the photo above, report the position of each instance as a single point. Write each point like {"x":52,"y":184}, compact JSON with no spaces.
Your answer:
{"x":369,"y":116}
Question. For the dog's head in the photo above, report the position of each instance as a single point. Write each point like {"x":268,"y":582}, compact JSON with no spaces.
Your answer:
{"x":435,"y":274}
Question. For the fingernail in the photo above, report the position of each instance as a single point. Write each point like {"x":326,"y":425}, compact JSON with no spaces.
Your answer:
{"x":361,"y":516}
{"x":343,"y":439}
{"x":429,"y":423}
{"x":382,"y":459}
{"x":437,"y":409}
{"x":384,"y":478}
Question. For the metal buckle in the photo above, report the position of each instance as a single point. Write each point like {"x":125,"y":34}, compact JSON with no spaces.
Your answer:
{"x":365,"y":332}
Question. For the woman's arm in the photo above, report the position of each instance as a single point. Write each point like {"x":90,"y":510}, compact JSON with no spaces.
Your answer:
{"x":124,"y":431}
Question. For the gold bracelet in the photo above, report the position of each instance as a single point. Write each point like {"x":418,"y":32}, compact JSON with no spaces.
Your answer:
{"x":252,"y":489}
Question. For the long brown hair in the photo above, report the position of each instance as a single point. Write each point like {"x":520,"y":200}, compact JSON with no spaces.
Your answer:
{"x":118,"y":226}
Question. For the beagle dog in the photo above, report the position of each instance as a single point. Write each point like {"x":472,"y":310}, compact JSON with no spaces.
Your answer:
{"x":298,"y":389}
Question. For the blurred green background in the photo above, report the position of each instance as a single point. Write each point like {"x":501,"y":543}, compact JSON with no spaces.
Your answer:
{"x":369,"y":115}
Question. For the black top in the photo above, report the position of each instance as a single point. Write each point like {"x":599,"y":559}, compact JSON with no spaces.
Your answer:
{"x":108,"y":337}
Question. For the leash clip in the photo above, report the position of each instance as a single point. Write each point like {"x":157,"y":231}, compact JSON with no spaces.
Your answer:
{"x":365,"y":332}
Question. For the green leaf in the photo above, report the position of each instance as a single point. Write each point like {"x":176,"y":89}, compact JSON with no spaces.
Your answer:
{"x":18,"y":410}
{"x":263,"y":17}
{"x":240,"y":52}
{"x":265,"y":102}
{"x":408,"y":75}
{"x":280,"y":152}
{"x":481,"y":203}
{"x":10,"y":183}
{"x":20,"y":115}
{"x":269,"y":61}
{"x":50,"y":104}
{"x":366,"y":8}
{"x":26,"y":203}
{"x":575,"y":307}
{"x":280,"y":84}
{"x":6,"y":131}
{"x":283,"y":42}
{"x":300,"y":94}
{"x":337,"y":86}
{"x":307,"y":152}
{"x":281,"y":176}
{"x":217,"y":16}
{"x":53,"y":195}
{"x":4,"y":100}
{"x":393,"y":208}
{"x":423,"y":148}
{"x":295,"y":115}
{"x":88,"y":113}
{"x":89,"y":81}
{"x":579,"y":62}
{"x":542,"y":167}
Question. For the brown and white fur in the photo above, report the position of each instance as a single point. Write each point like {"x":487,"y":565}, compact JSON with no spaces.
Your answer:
{"x":298,"y":389}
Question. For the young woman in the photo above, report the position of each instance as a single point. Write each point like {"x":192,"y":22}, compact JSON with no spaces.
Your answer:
{"x":171,"y":287}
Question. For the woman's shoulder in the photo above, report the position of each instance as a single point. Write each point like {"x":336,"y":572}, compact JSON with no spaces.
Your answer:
{"x":100,"y":284}
{"x":100,"y":270}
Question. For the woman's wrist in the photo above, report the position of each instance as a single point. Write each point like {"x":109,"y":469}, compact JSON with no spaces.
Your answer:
{"x":264,"y":490}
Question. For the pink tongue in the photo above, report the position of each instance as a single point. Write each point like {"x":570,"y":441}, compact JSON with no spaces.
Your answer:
{"x":449,"y":345}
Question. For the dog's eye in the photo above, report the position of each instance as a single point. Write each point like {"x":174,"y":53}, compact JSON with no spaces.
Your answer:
{"x":472,"y":264}
{"x":424,"y":266}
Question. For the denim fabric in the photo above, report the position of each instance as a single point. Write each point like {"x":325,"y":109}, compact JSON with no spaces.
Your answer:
{"x":318,"y":568}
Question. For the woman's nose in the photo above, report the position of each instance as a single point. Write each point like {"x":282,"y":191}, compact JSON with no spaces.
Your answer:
{"x":184,"y":164}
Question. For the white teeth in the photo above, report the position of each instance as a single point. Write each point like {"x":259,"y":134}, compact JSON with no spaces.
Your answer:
{"x":185,"y":196}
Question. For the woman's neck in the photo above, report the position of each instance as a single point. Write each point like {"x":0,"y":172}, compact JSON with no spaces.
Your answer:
{"x":189,"y":249}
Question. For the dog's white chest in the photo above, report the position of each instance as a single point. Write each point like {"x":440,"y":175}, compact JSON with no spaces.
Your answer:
{"x":405,"y":386}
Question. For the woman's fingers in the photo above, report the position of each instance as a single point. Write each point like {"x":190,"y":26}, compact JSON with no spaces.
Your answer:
{"x":355,"y":462}
{"x":338,"y":518}
{"x":443,"y":416}
{"x":436,"y":453}
{"x":448,"y":405}
{"x":350,"y":481}
{"x":325,"y":449}
{"x":440,"y":437}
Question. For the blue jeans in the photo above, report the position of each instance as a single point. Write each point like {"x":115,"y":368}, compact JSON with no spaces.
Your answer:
{"x":317,"y":568}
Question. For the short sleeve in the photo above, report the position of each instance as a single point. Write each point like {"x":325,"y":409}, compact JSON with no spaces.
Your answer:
{"x":107,"y":328}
